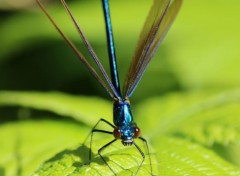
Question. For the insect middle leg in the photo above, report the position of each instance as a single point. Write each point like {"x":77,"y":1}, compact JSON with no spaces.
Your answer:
{"x":104,"y":147}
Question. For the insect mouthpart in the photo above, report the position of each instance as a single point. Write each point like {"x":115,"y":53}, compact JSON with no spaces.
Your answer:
{"x":128,"y":142}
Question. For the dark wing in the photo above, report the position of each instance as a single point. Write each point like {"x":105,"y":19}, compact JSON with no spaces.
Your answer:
{"x":109,"y":86}
{"x":157,"y":24}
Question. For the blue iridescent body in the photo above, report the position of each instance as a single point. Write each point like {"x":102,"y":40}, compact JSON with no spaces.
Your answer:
{"x":111,"y":47}
{"x":126,"y":129}
{"x":122,"y":115}
{"x":157,"y":24}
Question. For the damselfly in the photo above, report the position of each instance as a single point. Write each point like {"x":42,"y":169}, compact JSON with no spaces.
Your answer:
{"x":158,"y":22}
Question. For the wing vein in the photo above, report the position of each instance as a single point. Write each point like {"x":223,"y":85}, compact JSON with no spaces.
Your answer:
{"x":90,"y":49}
{"x":161,"y":17}
{"x":77,"y":52}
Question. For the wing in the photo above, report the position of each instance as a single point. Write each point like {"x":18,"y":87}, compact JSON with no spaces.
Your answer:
{"x":109,"y":86}
{"x":157,"y":24}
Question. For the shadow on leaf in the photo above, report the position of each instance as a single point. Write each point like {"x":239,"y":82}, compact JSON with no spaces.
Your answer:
{"x":2,"y":172}
{"x":79,"y":156}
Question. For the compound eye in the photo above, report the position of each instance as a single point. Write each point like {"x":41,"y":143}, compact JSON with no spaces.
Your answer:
{"x":136,"y":132}
{"x":117,"y":133}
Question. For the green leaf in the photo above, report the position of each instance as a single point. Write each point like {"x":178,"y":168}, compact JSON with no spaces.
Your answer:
{"x":178,"y":157}
{"x":208,"y":119}
{"x":80,"y":108}
{"x":26,"y":144}
{"x":177,"y":112}
{"x":123,"y":160}
{"x":177,"y":126}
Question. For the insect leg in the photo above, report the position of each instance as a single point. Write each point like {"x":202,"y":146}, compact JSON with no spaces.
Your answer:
{"x":143,"y":156}
{"x":100,"y":131}
{"x":146,"y":144}
{"x":104,"y":147}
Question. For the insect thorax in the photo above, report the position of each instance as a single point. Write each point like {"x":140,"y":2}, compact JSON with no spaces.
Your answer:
{"x":122,"y":115}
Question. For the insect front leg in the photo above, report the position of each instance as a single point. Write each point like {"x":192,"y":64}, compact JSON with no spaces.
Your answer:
{"x":94,"y":130}
{"x":148,"y":153}
{"x":143,"y":156}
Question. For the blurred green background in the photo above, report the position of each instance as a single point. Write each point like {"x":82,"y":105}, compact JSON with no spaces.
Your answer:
{"x":200,"y":54}
{"x":201,"y":50}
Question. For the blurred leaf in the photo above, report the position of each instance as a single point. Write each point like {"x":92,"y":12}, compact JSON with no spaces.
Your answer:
{"x":209,"y":119}
{"x":80,"y":108}
{"x":175,"y":108}
{"x":26,"y":144}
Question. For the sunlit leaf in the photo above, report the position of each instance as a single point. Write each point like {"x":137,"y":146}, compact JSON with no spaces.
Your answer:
{"x":26,"y":144}
{"x":180,"y":135}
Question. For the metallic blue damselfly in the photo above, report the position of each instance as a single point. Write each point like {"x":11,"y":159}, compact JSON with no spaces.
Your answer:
{"x":158,"y":22}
